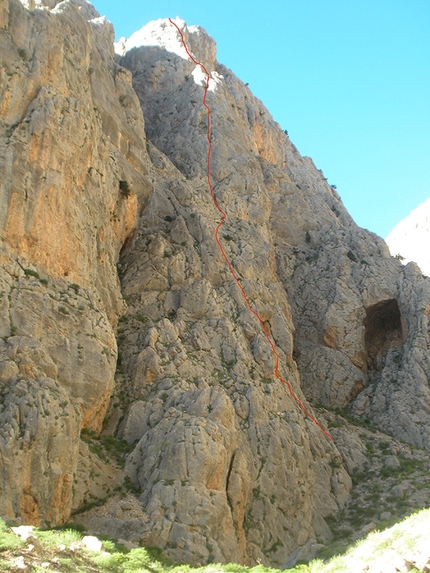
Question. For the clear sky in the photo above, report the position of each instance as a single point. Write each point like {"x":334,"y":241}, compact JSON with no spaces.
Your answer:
{"x":348,"y":79}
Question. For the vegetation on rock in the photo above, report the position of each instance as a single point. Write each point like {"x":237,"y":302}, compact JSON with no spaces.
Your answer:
{"x":402,"y":547}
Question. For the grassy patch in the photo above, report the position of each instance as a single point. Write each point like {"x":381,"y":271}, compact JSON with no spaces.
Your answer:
{"x":31,"y":273}
{"x":64,"y":549}
{"x":107,"y":448}
{"x":8,"y":540}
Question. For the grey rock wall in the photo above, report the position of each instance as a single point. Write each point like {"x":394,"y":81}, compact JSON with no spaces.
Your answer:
{"x":118,"y":313}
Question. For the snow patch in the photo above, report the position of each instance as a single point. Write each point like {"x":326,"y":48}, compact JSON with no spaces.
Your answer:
{"x":200,"y":78}
{"x":85,"y":8}
{"x":100,"y":21}
{"x":162,"y":33}
{"x":32,"y":4}
{"x":60,"y":7}
{"x":194,"y":30}
{"x":216,"y":78}
{"x":159,"y":33}
{"x":411,"y":238}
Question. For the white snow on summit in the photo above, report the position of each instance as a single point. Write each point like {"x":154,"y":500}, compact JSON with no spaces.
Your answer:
{"x":163,"y":34}
{"x":29,"y":5}
{"x":411,"y":238}
{"x":156,"y":33}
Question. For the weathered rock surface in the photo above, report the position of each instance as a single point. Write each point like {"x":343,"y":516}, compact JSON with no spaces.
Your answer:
{"x":346,"y":333}
{"x":360,"y":338}
{"x":57,"y":360}
{"x":223,"y":462}
{"x":70,"y":130}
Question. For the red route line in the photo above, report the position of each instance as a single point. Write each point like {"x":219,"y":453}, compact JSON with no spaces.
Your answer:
{"x":224,"y":217}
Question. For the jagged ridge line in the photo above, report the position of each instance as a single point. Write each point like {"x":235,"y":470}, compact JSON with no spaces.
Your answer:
{"x":224,"y":217}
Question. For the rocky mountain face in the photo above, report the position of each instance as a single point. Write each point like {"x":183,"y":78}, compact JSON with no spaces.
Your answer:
{"x":120,"y":318}
{"x":410,"y":238}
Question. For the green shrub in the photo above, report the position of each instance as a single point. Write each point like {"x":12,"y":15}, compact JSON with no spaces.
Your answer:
{"x":110,"y":561}
{"x":124,"y":188}
{"x":117,"y":448}
{"x":129,"y":486}
{"x":31,"y":273}
{"x":87,"y":433}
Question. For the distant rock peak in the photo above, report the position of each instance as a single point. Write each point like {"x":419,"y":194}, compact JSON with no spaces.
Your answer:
{"x":159,"y":33}
{"x":409,"y":239}
{"x":57,"y":6}
{"x":33,"y":4}
{"x":164,"y":34}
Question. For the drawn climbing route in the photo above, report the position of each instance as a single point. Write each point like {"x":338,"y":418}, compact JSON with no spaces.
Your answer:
{"x":223,"y":218}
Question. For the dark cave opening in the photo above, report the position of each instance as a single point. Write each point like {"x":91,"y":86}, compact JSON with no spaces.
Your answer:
{"x":383,"y":331}
{"x":127,"y":243}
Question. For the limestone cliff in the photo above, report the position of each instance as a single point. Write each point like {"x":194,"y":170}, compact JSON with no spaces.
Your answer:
{"x":67,"y":141}
{"x":104,"y":230}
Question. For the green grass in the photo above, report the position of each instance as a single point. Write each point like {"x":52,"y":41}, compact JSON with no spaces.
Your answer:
{"x":402,"y":540}
{"x":9,"y":540}
{"x":31,"y":273}
{"x":62,"y":547}
{"x":51,"y":539}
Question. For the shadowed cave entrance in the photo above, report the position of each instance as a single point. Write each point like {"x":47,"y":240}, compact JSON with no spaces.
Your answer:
{"x":383,"y":331}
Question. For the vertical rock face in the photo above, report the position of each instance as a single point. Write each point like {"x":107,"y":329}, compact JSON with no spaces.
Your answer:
{"x":220,"y":442}
{"x":225,"y":465}
{"x":346,"y":321}
{"x":70,"y":130}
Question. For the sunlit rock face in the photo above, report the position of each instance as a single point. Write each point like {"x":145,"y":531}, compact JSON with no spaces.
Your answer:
{"x":67,"y":140}
{"x":119,"y":314}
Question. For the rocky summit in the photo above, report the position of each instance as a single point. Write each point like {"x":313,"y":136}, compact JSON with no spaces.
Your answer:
{"x":138,"y":393}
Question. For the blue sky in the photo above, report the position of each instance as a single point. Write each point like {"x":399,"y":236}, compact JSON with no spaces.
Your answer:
{"x":348,"y":79}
